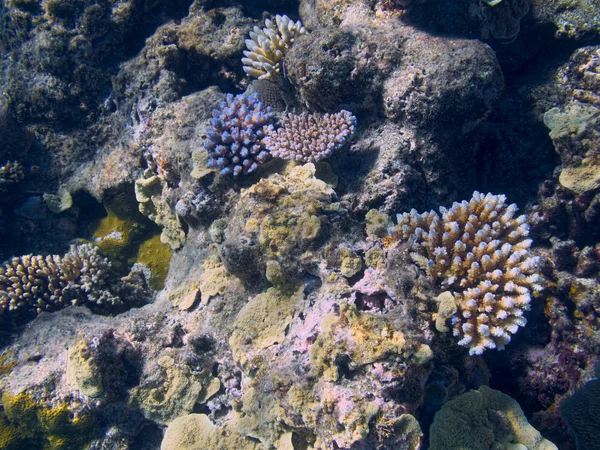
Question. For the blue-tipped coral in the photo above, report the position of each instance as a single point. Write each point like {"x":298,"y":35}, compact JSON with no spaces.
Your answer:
{"x":479,"y":252}
{"x":235,"y":133}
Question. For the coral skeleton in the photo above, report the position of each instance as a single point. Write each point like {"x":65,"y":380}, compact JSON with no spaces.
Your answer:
{"x":34,"y":283}
{"x":310,"y":137}
{"x":235,"y":134}
{"x":267,"y":47}
{"x":479,"y":252}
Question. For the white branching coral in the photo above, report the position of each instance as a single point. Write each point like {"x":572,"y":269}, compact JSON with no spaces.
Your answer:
{"x":267,"y":47}
{"x":310,"y":137}
{"x":480,"y":252}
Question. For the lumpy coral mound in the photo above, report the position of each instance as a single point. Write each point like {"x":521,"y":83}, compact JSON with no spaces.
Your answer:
{"x":479,"y":252}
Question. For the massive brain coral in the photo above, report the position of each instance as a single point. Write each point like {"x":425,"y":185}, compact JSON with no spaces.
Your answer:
{"x":310,"y":137}
{"x":479,"y":252}
{"x":235,"y":133}
{"x":267,"y":47}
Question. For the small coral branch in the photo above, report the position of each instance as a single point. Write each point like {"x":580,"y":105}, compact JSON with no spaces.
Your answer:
{"x":267,"y":47}
{"x":479,"y":252}
{"x":311,"y":137}
{"x":10,"y":173}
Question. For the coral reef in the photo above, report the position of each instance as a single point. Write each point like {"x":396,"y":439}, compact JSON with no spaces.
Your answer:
{"x":149,"y":194}
{"x":235,"y":134}
{"x":279,"y":305}
{"x":310,"y":137}
{"x":479,"y":251}
{"x":267,"y":47}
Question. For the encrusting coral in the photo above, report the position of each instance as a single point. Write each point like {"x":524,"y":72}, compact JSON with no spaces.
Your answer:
{"x":33,"y":283}
{"x":234,"y":135}
{"x":479,"y":252}
{"x":310,"y":137}
{"x":267,"y":47}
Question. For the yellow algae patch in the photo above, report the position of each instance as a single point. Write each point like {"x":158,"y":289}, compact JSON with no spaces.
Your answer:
{"x":263,"y":322}
{"x":196,"y":431}
{"x":155,"y":255}
{"x":214,"y":279}
{"x":580,"y":179}
{"x":115,"y":236}
{"x":365,"y":339}
{"x":7,"y":363}
{"x":41,"y":426}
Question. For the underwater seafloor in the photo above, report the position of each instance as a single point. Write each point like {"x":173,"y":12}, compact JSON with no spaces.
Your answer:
{"x":314,"y":224}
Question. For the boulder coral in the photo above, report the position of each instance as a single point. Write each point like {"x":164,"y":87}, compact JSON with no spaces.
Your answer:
{"x":485,"y":418}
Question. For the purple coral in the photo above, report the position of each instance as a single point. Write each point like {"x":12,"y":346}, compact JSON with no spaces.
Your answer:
{"x":311,"y":137}
{"x":235,"y":133}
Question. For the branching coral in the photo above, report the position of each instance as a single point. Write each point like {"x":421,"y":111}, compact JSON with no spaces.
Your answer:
{"x":267,"y":47}
{"x":235,"y":133}
{"x":10,"y":173}
{"x":33,"y":283}
{"x":310,"y":137}
{"x":479,"y":252}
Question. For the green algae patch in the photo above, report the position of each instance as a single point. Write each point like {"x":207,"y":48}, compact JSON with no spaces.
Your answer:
{"x":155,"y":255}
{"x":29,"y":424}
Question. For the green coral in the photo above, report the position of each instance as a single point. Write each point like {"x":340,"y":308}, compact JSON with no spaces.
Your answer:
{"x":263,"y":322}
{"x":174,"y":390}
{"x":485,"y":418}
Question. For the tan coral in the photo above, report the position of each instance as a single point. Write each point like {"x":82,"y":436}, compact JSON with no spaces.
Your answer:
{"x":480,"y":252}
{"x":267,"y":47}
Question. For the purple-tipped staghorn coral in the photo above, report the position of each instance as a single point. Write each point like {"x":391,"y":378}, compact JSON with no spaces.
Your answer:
{"x":479,"y":252}
{"x":235,"y":133}
{"x":311,"y":137}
